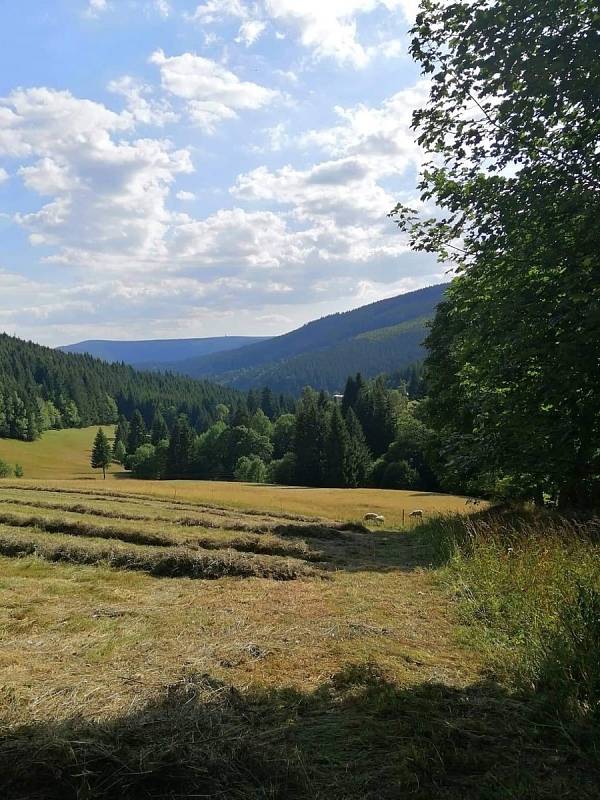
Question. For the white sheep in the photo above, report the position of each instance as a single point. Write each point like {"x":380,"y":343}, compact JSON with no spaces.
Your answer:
{"x":373,"y":517}
{"x":418,"y":512}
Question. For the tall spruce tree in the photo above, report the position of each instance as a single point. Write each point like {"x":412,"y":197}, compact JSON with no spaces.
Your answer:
{"x":375,"y":410}
{"x":268,"y":403}
{"x":137,"y":432}
{"x":159,"y":431}
{"x":101,"y":452}
{"x":358,"y":458}
{"x":309,"y":439}
{"x":336,"y":450}
{"x":351,"y":392}
{"x":181,"y":444}
{"x":122,"y":431}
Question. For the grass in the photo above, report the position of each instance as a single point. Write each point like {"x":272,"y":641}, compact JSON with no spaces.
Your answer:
{"x":63,"y":453}
{"x":149,"y":648}
{"x":528,"y":587}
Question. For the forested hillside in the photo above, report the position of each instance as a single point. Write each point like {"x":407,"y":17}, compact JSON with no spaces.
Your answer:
{"x":155,"y":351}
{"x":42,"y":388}
{"x":380,"y":337}
{"x":371,"y":353}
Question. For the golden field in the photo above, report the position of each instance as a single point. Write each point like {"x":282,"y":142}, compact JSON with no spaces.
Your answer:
{"x":200,"y":639}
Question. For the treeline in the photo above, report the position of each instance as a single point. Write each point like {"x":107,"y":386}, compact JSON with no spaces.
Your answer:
{"x":370,"y":436}
{"x":42,"y":388}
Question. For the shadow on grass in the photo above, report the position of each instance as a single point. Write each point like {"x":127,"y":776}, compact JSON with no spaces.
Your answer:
{"x":357,"y":737}
{"x":354,"y":548}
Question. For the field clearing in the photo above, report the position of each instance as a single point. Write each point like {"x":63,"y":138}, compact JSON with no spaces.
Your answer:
{"x":189,"y":638}
{"x":284,"y":604}
{"x":161,"y":647}
{"x":340,"y":504}
{"x":57,"y":454}
{"x":61,"y":458}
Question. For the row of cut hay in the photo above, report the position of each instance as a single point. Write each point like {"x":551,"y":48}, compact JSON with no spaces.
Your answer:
{"x":80,"y":508}
{"x":148,"y":499}
{"x":263,"y":546}
{"x":171,"y":562}
{"x":231,"y":521}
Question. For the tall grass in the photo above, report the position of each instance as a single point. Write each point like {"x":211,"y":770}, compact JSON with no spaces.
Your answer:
{"x":528,"y":586}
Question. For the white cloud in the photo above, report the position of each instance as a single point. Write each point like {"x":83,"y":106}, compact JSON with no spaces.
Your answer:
{"x":330,"y":29}
{"x":381,"y":135}
{"x":217,"y":10}
{"x":213,"y":92}
{"x":277,"y":139}
{"x":163,"y":8}
{"x":4,"y":176}
{"x":337,"y":208}
{"x":234,"y":236}
{"x":185,"y":197}
{"x":250,"y":31}
{"x":96,"y":7}
{"x":287,"y":75}
{"x":140,"y":104}
{"x":108,"y":206}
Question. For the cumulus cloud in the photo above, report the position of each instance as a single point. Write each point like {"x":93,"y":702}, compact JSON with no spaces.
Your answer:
{"x":140,"y":103}
{"x":337,"y":208}
{"x":380,"y":135}
{"x":108,"y":205}
{"x":329,"y":29}
{"x":185,"y":197}
{"x":163,"y":8}
{"x":234,"y":236}
{"x":213,"y":92}
{"x":217,"y":10}
{"x":3,"y":175}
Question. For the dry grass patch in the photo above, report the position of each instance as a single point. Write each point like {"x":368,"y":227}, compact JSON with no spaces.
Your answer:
{"x":293,"y":503}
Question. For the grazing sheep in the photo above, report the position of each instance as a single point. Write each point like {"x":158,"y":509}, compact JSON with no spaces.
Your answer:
{"x":372,"y":517}
{"x":418,"y":512}
{"x":472,"y":501}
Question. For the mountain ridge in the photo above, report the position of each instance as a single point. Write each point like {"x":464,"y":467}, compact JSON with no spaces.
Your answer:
{"x":324,"y":351}
{"x":137,"y":353}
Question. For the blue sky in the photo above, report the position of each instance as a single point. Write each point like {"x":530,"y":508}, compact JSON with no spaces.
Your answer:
{"x":174,"y":168}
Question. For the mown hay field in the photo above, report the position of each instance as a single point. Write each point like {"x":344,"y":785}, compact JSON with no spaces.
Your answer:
{"x":107,"y":601}
{"x":233,"y":641}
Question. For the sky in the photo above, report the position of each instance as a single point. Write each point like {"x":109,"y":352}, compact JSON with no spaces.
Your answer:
{"x":170,"y":168}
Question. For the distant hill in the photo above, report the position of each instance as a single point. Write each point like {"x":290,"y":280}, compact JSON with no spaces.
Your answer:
{"x":156,"y":351}
{"x":381,"y":337}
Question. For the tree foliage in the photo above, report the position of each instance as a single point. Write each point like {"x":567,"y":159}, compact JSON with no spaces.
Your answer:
{"x":101,"y":452}
{"x":512,"y":126}
{"x":42,"y":388}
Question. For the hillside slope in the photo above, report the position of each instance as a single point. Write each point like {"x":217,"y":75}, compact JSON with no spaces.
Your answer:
{"x":381,"y":337}
{"x":42,"y":388}
{"x":154,"y":351}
